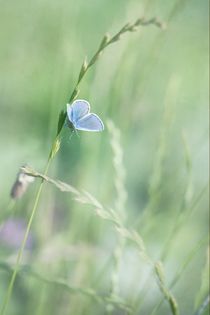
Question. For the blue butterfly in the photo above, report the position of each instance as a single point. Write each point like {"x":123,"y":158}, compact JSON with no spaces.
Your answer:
{"x":80,"y":118}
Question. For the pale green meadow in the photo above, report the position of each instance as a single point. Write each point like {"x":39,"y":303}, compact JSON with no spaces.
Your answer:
{"x":113,"y":222}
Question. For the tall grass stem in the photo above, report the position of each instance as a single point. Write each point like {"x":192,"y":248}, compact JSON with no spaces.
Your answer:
{"x":21,"y":250}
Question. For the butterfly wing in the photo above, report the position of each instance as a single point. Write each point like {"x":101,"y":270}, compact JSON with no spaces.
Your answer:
{"x":77,"y":110}
{"x":90,"y":122}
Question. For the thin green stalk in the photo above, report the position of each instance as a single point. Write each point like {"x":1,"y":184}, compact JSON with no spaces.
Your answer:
{"x":187,"y":260}
{"x":203,"y":306}
{"x":182,"y":216}
{"x":146,"y":289}
{"x":166,"y":291}
{"x":21,"y":250}
{"x":146,"y":221}
{"x":180,"y":271}
{"x":184,"y":203}
{"x":62,"y":283}
{"x":204,"y":282}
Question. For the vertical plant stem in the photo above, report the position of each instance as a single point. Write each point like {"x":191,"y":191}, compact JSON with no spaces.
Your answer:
{"x":21,"y":250}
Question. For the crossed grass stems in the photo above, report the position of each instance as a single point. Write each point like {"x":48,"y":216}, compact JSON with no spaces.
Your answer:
{"x":117,"y":218}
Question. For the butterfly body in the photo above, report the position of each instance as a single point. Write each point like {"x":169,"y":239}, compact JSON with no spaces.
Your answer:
{"x":80,"y":118}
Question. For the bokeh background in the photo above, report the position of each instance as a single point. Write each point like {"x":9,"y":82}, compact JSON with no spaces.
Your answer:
{"x":153,"y":85}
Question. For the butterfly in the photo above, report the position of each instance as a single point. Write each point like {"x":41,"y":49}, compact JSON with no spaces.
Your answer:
{"x":80,"y":118}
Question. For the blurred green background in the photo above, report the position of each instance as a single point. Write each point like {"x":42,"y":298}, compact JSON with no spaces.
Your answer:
{"x":153,"y":84}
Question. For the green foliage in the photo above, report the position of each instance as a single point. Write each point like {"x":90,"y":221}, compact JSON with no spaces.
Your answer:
{"x":129,"y":235}
{"x":204,"y":288}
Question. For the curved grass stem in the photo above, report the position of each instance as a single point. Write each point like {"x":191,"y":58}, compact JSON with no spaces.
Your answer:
{"x":21,"y":250}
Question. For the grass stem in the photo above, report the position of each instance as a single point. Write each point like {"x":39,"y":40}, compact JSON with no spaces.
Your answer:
{"x":21,"y":250}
